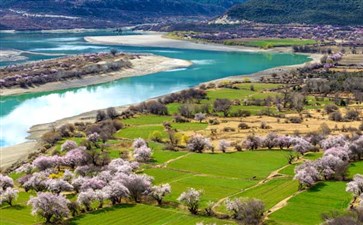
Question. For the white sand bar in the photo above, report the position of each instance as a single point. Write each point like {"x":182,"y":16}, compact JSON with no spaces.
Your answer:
{"x":157,"y":40}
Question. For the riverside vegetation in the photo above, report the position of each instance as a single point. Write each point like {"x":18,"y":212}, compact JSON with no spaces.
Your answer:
{"x":273,"y":152}
{"x":75,"y":67}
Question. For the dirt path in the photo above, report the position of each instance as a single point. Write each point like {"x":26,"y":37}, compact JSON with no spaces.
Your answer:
{"x":165,"y":164}
{"x":272,"y":175}
{"x":280,"y":205}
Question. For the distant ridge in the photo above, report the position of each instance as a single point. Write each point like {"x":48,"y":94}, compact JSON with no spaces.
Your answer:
{"x":334,"y":12}
{"x":107,"y":13}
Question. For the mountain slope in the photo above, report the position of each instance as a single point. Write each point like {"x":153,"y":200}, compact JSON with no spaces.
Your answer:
{"x":96,"y":7}
{"x":336,"y":12}
{"x":41,"y":14}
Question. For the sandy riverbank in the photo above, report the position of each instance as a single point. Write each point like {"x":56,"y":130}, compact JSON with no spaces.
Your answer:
{"x":146,"y":64}
{"x":157,"y":40}
{"x":11,"y":56}
{"x":12,"y":154}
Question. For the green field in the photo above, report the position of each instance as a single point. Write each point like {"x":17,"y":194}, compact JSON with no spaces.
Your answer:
{"x":355,"y":168}
{"x":306,"y":208}
{"x":142,"y":214}
{"x":243,"y":165}
{"x":19,"y":213}
{"x":273,"y":191}
{"x":270,"y":43}
{"x":143,"y":126}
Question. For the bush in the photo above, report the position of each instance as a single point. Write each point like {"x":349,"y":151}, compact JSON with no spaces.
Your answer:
{"x":324,"y":129}
{"x":266,"y":112}
{"x":51,"y":137}
{"x":111,"y":113}
{"x":213,"y":122}
{"x":229,"y":129}
{"x":361,"y":127}
{"x":336,"y":116}
{"x":243,"y":126}
{"x":241,"y":113}
{"x":264,"y":126}
{"x":330,"y":108}
{"x":67,"y":130}
{"x":352,"y":115}
{"x":180,"y":119}
{"x":156,"y":108}
{"x":295,"y":119}
{"x":101,"y":115}
{"x":156,"y":136}
{"x":186,"y":110}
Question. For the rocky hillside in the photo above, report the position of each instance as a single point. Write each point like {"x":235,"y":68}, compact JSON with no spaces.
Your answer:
{"x":335,"y":12}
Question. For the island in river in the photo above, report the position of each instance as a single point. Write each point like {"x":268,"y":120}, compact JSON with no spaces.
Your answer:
{"x":80,"y":71}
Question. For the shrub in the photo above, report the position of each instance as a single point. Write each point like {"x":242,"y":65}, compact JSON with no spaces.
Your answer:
{"x":352,"y":115}
{"x":156,"y":136}
{"x":266,"y":112}
{"x":241,"y":113}
{"x":67,"y":130}
{"x":324,"y":129}
{"x":180,"y":119}
{"x":295,"y":119}
{"x":51,"y":137}
{"x":213,"y":121}
{"x":101,"y":115}
{"x":186,"y":110}
{"x":330,"y":108}
{"x":264,"y":126}
{"x":156,"y":108}
{"x":336,"y":116}
{"x":229,"y":129}
{"x":243,"y":126}
{"x":111,"y":113}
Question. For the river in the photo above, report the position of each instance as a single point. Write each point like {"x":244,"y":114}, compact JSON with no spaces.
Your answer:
{"x":19,"y":113}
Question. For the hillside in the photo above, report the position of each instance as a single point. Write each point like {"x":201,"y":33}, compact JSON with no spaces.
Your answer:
{"x":335,"y":12}
{"x":71,"y":13}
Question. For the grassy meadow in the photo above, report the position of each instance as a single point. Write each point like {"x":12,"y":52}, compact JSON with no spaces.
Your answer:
{"x":270,"y":43}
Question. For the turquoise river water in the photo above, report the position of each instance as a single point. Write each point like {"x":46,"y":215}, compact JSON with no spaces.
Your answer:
{"x":19,"y":113}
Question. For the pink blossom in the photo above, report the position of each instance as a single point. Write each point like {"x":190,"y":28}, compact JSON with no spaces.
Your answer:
{"x":49,"y":206}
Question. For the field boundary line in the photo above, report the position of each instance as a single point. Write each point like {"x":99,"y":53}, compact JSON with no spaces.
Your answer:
{"x":271,"y":176}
